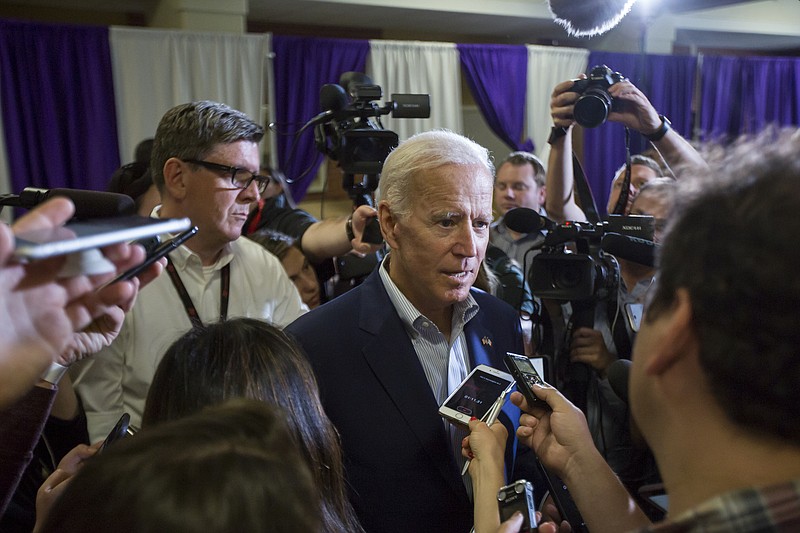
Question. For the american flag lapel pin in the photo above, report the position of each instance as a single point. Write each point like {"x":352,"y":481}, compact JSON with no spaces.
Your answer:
{"x":486,"y":341}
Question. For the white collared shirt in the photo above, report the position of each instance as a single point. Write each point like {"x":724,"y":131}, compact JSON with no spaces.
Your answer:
{"x":117,"y":379}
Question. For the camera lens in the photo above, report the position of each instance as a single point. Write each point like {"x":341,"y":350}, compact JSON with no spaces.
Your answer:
{"x":568,"y":276}
{"x":591,"y":109}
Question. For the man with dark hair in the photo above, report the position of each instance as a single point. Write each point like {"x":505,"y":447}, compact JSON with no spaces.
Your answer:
{"x":643,"y":169}
{"x":520,"y":182}
{"x":205,"y":163}
{"x":715,"y":372}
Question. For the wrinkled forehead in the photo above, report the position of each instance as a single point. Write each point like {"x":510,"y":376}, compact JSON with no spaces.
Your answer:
{"x":472,"y":183}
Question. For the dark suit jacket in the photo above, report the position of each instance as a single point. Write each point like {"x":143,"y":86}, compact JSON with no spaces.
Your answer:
{"x":401,"y":473}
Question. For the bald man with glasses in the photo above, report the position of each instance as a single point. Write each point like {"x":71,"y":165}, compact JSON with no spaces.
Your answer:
{"x":205,"y":163}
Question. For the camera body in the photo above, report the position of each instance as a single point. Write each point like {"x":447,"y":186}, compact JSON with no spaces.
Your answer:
{"x":594,"y":104}
{"x":350,"y":131}
{"x":573,"y":265}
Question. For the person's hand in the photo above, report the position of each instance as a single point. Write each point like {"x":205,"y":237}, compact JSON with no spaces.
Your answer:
{"x":589,"y":347}
{"x":361,"y":217}
{"x":562,"y":103}
{"x":112,"y":302}
{"x":555,"y":436}
{"x":39,"y":311}
{"x":485,"y":445}
{"x":634,"y":110}
{"x":57,"y":482}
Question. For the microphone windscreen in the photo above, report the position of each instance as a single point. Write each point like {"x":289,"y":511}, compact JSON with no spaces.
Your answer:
{"x":332,"y":97}
{"x":525,"y":220}
{"x":618,"y":374}
{"x":633,"y":249}
{"x":585,"y":18}
{"x":88,"y":204}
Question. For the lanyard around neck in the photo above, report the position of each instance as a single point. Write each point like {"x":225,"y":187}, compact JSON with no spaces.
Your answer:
{"x":191,"y":310}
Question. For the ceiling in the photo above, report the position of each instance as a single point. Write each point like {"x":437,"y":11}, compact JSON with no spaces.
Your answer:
{"x":499,"y":21}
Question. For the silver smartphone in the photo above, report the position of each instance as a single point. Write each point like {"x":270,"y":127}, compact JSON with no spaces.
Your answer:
{"x":93,"y":233}
{"x":476,"y":394}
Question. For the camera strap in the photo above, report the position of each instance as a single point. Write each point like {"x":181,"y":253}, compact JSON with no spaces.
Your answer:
{"x":622,"y":200}
{"x":584,"y":191}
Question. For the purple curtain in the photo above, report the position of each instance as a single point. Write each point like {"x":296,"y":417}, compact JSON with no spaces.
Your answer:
{"x":497,"y":77}
{"x":58,"y":105}
{"x":668,"y":82}
{"x":302,"y":66}
{"x":746,"y":94}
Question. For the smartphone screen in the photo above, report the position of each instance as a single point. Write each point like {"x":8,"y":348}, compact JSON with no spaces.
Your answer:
{"x":476,"y":394}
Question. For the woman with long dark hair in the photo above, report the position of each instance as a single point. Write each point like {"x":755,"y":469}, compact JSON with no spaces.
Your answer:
{"x":250,"y":358}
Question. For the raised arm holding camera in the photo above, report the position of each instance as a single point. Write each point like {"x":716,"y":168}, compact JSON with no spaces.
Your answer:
{"x":713,"y":382}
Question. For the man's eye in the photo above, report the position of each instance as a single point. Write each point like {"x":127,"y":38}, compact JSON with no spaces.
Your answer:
{"x":520,"y":187}
{"x":447,"y":223}
{"x":481,"y":224}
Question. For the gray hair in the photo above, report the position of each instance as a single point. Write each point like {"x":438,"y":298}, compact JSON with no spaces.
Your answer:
{"x":424,"y":152}
{"x":191,"y":131}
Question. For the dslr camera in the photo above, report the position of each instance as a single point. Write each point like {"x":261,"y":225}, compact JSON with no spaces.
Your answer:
{"x":594,"y":104}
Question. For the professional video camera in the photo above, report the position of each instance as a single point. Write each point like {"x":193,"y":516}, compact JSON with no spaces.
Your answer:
{"x":590,"y":272}
{"x":594,"y":104}
{"x":349,"y":129}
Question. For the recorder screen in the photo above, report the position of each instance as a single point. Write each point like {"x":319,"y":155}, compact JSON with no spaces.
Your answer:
{"x":476,"y":395}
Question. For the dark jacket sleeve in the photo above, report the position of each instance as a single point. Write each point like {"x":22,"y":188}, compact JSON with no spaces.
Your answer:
{"x":20,"y":427}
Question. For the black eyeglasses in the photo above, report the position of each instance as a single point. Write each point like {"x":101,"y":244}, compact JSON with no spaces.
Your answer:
{"x":241,"y":178}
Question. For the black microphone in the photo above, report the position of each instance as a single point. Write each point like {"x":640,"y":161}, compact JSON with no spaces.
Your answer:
{"x":630,"y":248}
{"x":88,"y":204}
{"x":332,"y":97}
{"x":618,"y":373}
{"x":586,"y":18}
{"x":525,"y":220}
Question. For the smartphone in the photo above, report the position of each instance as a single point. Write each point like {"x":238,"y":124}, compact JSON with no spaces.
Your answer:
{"x":518,"y":496}
{"x":160,"y":251}
{"x":476,"y":394}
{"x":563,"y":500}
{"x":90,"y":234}
{"x":526,"y":377}
{"x":119,"y":431}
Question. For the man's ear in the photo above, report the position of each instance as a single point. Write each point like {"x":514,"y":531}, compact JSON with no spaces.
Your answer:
{"x":678,"y":334}
{"x":388,"y":222}
{"x":175,"y":176}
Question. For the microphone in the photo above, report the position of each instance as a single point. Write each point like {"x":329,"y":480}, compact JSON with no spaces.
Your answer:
{"x":633,"y":249}
{"x":332,"y":97}
{"x":618,"y":373}
{"x":586,"y":18}
{"x":526,"y":220}
{"x":88,"y":204}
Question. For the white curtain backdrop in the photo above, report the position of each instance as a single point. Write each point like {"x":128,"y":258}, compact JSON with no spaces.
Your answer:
{"x":419,"y":67}
{"x":547,"y":67}
{"x":155,"y":70}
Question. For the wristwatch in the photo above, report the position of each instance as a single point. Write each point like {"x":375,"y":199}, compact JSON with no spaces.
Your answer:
{"x":556,"y":132}
{"x":348,"y":227}
{"x":662,"y":130}
{"x":54,"y":374}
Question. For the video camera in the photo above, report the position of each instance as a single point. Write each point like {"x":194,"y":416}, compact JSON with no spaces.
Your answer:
{"x":349,"y":129}
{"x":590,"y":272}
